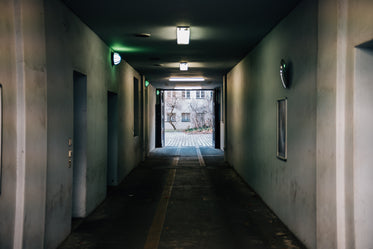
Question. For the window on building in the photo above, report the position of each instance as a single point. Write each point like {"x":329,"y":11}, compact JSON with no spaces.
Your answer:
{"x":171,"y":117}
{"x":186,"y":94}
{"x":185,"y":117}
{"x":200,"y":94}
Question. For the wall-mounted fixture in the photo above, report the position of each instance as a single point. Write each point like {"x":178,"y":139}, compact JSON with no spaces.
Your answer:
{"x":147,"y":83}
{"x":187,"y":79}
{"x":70,"y":153}
{"x":282,"y":106}
{"x":284,"y":73}
{"x":183,"y":35}
{"x":115,"y":58}
{"x":183,"y":66}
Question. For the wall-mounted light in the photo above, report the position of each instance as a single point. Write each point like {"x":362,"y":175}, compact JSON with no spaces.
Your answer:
{"x":183,"y":66}
{"x":284,"y":73}
{"x":187,"y":79}
{"x":115,"y":58}
{"x":147,"y":83}
{"x":183,"y":35}
{"x":158,"y":92}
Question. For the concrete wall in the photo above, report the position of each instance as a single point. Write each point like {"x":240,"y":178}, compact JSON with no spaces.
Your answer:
{"x":23,"y":77}
{"x":335,"y":170}
{"x":42,"y":44}
{"x":129,"y":146}
{"x":150,"y":101}
{"x":9,"y":87}
{"x":343,"y":177}
{"x":72,"y":46}
{"x":253,"y":87}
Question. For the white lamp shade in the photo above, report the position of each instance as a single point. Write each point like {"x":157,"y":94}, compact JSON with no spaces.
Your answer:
{"x":183,"y":66}
{"x":183,"y":35}
{"x":116,"y":58}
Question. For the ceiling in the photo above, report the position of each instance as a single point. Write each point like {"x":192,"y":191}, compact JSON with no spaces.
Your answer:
{"x":222,"y":33}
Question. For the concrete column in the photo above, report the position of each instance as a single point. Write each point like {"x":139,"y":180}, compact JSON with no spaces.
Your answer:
{"x":223,"y":136}
{"x":31,"y":124}
{"x":331,"y":124}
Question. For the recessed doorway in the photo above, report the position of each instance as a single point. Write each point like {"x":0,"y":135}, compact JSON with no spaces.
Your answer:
{"x":363,"y":145}
{"x":112,"y":146}
{"x":80,"y":145}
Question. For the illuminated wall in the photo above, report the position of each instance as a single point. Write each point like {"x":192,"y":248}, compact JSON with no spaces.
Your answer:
{"x":253,"y":88}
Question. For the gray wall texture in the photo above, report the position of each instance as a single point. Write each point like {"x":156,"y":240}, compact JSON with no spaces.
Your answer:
{"x":43,"y":43}
{"x":322,"y":191}
{"x":8,"y":82}
{"x":253,"y":88}
{"x":79,"y":49}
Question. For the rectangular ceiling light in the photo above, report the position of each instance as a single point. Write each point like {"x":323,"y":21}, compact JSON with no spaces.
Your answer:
{"x":188,"y":87}
{"x":187,"y":79}
{"x":183,"y":66}
{"x":183,"y":35}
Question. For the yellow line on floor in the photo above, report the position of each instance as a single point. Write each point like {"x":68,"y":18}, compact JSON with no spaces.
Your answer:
{"x":200,"y":157}
{"x":176,"y":159}
{"x":155,"y":231}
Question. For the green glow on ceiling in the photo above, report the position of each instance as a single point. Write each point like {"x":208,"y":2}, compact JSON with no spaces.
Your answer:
{"x":127,"y":49}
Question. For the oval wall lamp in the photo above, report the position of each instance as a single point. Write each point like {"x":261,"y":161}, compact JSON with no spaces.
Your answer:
{"x":284,"y":73}
{"x":115,"y":58}
{"x":147,"y":83}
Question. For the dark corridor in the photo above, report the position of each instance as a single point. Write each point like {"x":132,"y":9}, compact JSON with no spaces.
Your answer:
{"x":182,"y":198}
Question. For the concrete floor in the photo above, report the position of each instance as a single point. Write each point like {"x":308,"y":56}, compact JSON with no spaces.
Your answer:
{"x":182,"y":198}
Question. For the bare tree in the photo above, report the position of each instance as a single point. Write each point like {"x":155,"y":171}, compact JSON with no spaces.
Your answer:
{"x":200,"y":108}
{"x":171,"y":104}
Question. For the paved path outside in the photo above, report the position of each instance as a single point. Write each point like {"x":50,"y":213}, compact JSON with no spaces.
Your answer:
{"x":182,"y":139}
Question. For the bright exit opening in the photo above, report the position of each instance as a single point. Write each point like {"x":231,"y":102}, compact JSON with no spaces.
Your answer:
{"x":188,"y":117}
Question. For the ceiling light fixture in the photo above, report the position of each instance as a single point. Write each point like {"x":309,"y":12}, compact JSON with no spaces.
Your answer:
{"x":188,"y":88}
{"x":183,"y":66}
{"x":115,"y":58}
{"x":187,"y":79}
{"x":183,"y":35}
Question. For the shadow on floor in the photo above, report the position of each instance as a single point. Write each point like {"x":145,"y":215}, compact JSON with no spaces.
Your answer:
{"x":209,"y":207}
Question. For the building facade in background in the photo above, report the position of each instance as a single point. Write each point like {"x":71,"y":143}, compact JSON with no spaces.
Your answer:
{"x":188,"y":109}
